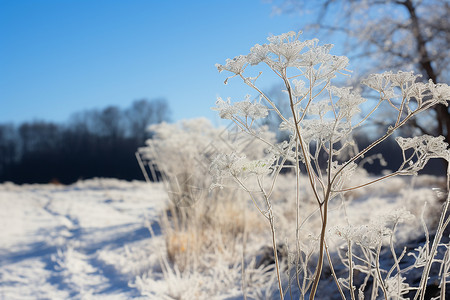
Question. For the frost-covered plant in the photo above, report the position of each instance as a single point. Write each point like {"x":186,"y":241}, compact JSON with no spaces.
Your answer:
{"x":321,"y":121}
{"x":182,"y":153}
{"x":201,"y":229}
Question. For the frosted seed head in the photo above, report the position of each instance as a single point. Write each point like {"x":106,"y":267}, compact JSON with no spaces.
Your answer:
{"x":348,"y":102}
{"x":426,"y":146}
{"x":367,"y":236}
{"x":319,"y":108}
{"x":258,"y":53}
{"x":225,"y":166}
{"x":259,"y":167}
{"x":299,"y":89}
{"x":378,"y":82}
{"x":251,"y":110}
{"x":399,"y":215}
{"x":283,"y":38}
{"x":225,"y":109}
{"x":401,"y":78}
{"x":235,"y":65}
{"x":440,"y":93}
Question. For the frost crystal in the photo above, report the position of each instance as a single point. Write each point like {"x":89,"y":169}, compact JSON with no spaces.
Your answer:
{"x":367,"y":236}
{"x":257,"y":54}
{"x":421,"y":257}
{"x":235,"y":65}
{"x":396,"y":286}
{"x":423,"y":93}
{"x":348,"y":103}
{"x":233,"y":166}
{"x":287,"y":126}
{"x":426,"y":145}
{"x":246,"y":109}
{"x":287,"y":47}
{"x":299,"y":89}
{"x":226,"y":110}
{"x":324,"y":130}
{"x":259,"y":167}
{"x":225,"y":166}
{"x":282,"y":38}
{"x":423,"y":148}
{"x":316,"y":55}
{"x":378,"y":82}
{"x":319,"y":108}
{"x":430,"y":93}
{"x":252,"y":110}
{"x":403,"y":78}
{"x":399,"y":216}
{"x":440,"y":92}
{"x":285,"y":149}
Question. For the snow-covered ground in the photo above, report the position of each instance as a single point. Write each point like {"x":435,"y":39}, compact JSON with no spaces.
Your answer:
{"x":61,"y":242}
{"x":91,"y":240}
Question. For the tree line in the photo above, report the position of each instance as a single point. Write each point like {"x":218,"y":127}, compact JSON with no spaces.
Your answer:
{"x":92,"y":143}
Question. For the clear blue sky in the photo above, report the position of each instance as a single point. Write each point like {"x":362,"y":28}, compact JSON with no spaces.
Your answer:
{"x":58,"y":57}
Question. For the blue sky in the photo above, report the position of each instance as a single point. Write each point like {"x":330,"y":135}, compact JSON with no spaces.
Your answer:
{"x":58,"y":57}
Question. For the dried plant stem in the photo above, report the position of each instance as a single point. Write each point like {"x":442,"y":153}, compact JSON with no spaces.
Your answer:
{"x":318,"y":273}
{"x":350,"y":270}
{"x":305,"y":151}
{"x":372,"y":145}
{"x":396,"y":260}
{"x":445,"y":268}
{"x":323,"y":205}
{"x":274,"y":107}
{"x":275,"y":255}
{"x":368,"y":183}
{"x":378,"y":270}
{"x":244,"y":248}
{"x":270,"y":217}
{"x":297,"y":215}
{"x":443,"y":223}
{"x":333,"y":273}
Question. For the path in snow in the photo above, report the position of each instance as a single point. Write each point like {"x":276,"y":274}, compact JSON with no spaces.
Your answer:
{"x":57,"y":242}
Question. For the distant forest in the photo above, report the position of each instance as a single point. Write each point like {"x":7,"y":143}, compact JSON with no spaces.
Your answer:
{"x":93,"y":143}
{"x":102,"y":143}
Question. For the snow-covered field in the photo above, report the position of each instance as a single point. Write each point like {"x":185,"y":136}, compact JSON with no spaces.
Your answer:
{"x":61,"y":242}
{"x":91,"y":240}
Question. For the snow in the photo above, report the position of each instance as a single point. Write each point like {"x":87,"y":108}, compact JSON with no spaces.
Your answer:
{"x":60,"y":242}
{"x":91,"y":240}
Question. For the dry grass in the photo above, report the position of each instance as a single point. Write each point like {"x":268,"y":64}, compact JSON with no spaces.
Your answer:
{"x":213,"y":225}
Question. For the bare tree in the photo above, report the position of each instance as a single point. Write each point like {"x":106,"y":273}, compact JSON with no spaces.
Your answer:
{"x":38,"y":136}
{"x":8,"y":145}
{"x":389,"y":35}
{"x":162,"y":110}
{"x":110,"y":122}
{"x":143,"y":113}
